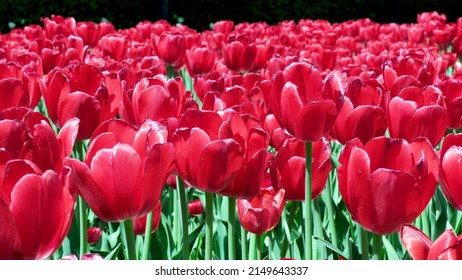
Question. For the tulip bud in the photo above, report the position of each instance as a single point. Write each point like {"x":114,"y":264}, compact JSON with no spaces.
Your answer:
{"x":195,"y":207}
{"x":93,"y":235}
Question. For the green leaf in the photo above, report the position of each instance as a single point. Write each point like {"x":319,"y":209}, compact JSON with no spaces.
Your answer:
{"x":112,"y":255}
{"x":391,"y":253}
{"x":331,"y":246}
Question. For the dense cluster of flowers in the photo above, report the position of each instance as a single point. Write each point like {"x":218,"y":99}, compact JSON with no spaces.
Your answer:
{"x":229,"y":111}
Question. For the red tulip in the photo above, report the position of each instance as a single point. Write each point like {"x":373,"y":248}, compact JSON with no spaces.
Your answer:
{"x":89,"y":31}
{"x":387,"y":182}
{"x":452,"y":92}
{"x":114,"y":45}
{"x":239,"y":53}
{"x":35,"y":210}
{"x":447,"y":246}
{"x":208,"y":157}
{"x":12,"y":93}
{"x":85,"y":257}
{"x":361,"y":115}
{"x":124,"y":170}
{"x":170,"y":47}
{"x":288,"y":169}
{"x":417,"y":113}
{"x":263,"y":212}
{"x":450,"y":169}
{"x":80,"y":93}
{"x":139,"y":224}
{"x":93,"y":235}
{"x":223,"y":26}
{"x":199,"y":60}
{"x":195,"y":207}
{"x":301,"y":105}
{"x":154,"y":98}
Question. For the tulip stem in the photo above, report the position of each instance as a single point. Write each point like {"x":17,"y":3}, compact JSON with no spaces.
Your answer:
{"x":243,"y":243}
{"x":82,"y":225}
{"x":171,"y":72}
{"x":425,"y":225}
{"x":184,"y":216}
{"x":130,"y":238}
{"x":377,"y":246}
{"x":331,"y":211}
{"x":307,"y":209}
{"x":290,"y":222}
{"x":255,"y":247}
{"x":364,"y":244}
{"x":208,"y":225}
{"x":147,"y":236}
{"x":231,"y":234}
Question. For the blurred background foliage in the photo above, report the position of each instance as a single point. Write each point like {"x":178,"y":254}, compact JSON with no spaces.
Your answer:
{"x":198,"y":14}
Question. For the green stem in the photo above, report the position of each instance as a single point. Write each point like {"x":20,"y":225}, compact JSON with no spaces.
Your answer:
{"x":425,"y":224}
{"x":377,"y":246}
{"x":307,"y":209}
{"x":208,"y":225}
{"x":331,"y":212}
{"x":318,"y":231}
{"x":147,"y":236}
{"x":364,"y":244}
{"x":231,"y":234}
{"x":184,"y":216}
{"x":244,"y":244}
{"x":176,"y":217}
{"x":171,"y":73}
{"x":82,"y":226}
{"x":130,"y":236}
{"x":259,"y":246}
{"x":290,"y":222}
{"x":253,"y":247}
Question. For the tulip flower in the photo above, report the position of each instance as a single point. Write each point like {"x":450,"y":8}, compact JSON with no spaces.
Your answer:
{"x":85,"y":257}
{"x":452,"y":93}
{"x":195,"y":207}
{"x":239,"y":53}
{"x":93,"y":235}
{"x":35,"y":210}
{"x":82,"y":94}
{"x":170,"y":47}
{"x":199,"y":60}
{"x":417,"y":113}
{"x":154,"y":98}
{"x":139,"y":224}
{"x":450,"y":169}
{"x":361,"y":115}
{"x":125,"y":169}
{"x":447,"y":246}
{"x":263,"y":212}
{"x":288,"y":169}
{"x":298,"y":99}
{"x":208,"y":157}
{"x":387,"y":182}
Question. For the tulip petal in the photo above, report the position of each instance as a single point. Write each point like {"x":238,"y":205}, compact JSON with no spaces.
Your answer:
{"x":416,"y":242}
{"x":9,"y":236}
{"x":444,"y":247}
{"x":41,"y":207}
{"x":67,"y":136}
{"x":451,"y":176}
{"x":118,"y":172}
{"x":314,"y":120}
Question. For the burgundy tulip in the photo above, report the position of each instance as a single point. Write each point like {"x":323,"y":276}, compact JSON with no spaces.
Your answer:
{"x":263,"y":212}
{"x":125,"y":169}
{"x":447,"y":246}
{"x":387,"y":182}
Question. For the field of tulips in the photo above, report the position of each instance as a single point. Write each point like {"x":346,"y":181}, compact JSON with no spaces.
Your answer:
{"x":303,"y":140}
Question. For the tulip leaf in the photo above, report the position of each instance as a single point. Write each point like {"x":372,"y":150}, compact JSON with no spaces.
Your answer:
{"x":195,"y":233}
{"x":330,"y":246}
{"x":113,"y":254}
{"x":391,"y":253}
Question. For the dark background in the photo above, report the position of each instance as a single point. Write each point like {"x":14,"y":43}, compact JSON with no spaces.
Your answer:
{"x":198,"y":14}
